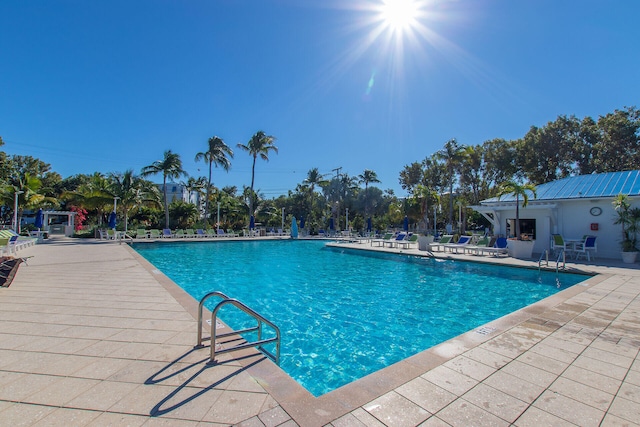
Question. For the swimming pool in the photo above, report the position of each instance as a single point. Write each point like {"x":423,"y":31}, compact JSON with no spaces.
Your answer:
{"x":346,"y":313}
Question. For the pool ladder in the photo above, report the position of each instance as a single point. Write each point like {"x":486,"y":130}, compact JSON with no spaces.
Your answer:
{"x":544,"y":258}
{"x":259,"y":343}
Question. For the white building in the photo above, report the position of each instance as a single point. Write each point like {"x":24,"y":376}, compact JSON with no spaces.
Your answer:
{"x":573,"y":207}
{"x":175,"y":192}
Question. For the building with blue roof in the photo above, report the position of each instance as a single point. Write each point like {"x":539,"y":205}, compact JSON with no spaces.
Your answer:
{"x":573,"y":207}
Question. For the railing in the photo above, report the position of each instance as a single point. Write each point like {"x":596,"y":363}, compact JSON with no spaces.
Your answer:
{"x":258,"y":328}
{"x":544,"y":258}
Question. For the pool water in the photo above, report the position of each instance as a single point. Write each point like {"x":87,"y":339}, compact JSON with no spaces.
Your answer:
{"x":346,"y":313}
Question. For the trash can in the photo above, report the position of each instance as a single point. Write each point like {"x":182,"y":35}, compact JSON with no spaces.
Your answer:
{"x":423,"y":242}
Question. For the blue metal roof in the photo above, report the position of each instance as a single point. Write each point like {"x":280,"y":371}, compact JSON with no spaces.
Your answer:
{"x":591,"y":186}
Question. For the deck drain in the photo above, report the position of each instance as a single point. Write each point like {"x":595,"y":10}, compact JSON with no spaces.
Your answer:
{"x":485,"y":330}
{"x":218,"y":324}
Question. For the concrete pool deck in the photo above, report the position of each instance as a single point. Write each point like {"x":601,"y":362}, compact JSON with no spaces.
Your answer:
{"x":92,"y":334}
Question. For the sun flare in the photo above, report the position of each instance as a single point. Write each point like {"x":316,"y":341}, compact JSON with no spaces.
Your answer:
{"x":399,"y":15}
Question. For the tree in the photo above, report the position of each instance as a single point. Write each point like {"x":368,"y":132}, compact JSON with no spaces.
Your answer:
{"x":452,"y":155}
{"x":518,"y":190}
{"x":314,"y":178}
{"x":170,"y":167}
{"x":260,"y":145}
{"x":367,"y":177}
{"x":218,"y":154}
{"x":132,"y":191}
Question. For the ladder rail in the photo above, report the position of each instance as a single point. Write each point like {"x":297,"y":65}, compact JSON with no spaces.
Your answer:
{"x":247,"y":310}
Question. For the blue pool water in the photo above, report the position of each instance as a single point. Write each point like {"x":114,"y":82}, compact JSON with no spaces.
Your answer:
{"x":347,"y":313}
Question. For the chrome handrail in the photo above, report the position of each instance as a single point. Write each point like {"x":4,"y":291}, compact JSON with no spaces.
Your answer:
{"x":247,"y":310}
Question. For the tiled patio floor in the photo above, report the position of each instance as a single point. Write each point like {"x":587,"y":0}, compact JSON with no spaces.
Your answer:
{"x":91,"y":334}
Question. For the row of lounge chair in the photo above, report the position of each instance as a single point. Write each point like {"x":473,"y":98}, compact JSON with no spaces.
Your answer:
{"x":167,"y":233}
{"x":484,"y":246}
{"x":401,"y":240}
{"x":11,"y":242}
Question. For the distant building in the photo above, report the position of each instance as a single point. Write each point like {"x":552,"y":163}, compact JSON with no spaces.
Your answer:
{"x":175,"y":192}
{"x":573,"y":207}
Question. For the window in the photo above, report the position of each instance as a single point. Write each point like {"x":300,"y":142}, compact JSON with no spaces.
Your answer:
{"x":527,"y":228}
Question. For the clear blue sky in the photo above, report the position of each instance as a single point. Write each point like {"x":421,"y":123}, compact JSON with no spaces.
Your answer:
{"x":109,"y":85}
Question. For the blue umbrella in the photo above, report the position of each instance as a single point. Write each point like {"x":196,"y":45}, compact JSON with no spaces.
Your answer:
{"x":331,"y":225}
{"x":302,"y":222}
{"x":294,"y":228}
{"x":39,"y":219}
{"x":369,"y":224}
{"x":112,"y":220}
{"x":252,"y":222}
{"x":406,"y":223}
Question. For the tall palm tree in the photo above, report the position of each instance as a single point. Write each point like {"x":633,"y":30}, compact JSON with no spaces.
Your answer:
{"x":132,"y":191}
{"x":314,"y":177}
{"x":170,"y":167}
{"x":218,"y":154}
{"x":518,"y":190}
{"x":199,"y":187}
{"x":260,"y":144}
{"x":452,"y":155}
{"x":367,"y":177}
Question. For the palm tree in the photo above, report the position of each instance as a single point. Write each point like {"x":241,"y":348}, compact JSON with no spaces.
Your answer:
{"x":132,"y":191}
{"x":260,"y":144}
{"x":215,"y":155}
{"x":197,"y":186}
{"x":517,"y":189}
{"x":170,"y":167}
{"x":452,"y":155}
{"x":314,"y":177}
{"x":366,"y":177}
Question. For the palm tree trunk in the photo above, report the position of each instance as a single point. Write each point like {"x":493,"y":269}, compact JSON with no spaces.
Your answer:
{"x":206,"y":202}
{"x":166,"y":204}
{"x":253,"y":174}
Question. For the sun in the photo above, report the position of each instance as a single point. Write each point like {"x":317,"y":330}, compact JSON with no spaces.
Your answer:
{"x":399,"y":15}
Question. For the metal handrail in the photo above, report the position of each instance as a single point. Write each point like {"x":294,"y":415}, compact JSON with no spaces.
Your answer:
{"x":214,"y":335}
{"x":562,"y":255}
{"x":546,"y":255}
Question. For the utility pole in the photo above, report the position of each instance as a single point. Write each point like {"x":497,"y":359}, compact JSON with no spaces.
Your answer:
{"x":335,"y":208}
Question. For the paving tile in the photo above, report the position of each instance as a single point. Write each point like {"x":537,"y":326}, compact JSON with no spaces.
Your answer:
{"x":112,"y":419}
{"x":469,"y":367}
{"x":101,"y":368}
{"x":395,"y":410}
{"x":348,"y":420}
{"x":613,"y":421}
{"x":529,"y":373}
{"x":523,"y":390}
{"x":592,"y":379}
{"x":462,"y":413}
{"x":450,"y":380}
{"x":63,"y":417}
{"x":102,"y":396}
{"x":625,"y":409}
{"x":554,"y":353}
{"x":569,"y":409}
{"x":274,"y":417}
{"x":495,"y":401}
{"x":630,"y":392}
{"x":22,"y":414}
{"x":543,"y":362}
{"x":170,"y":402}
{"x":582,"y":393}
{"x":366,"y":418}
{"x":600,"y":367}
{"x":534,"y":417}
{"x":61,"y":391}
{"x":234,"y":407}
{"x":487,"y":357}
{"x":25,"y":385}
{"x":434,"y":422}
{"x":606,"y":356}
{"x":426,"y":394}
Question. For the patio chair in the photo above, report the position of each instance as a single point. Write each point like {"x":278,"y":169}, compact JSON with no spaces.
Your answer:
{"x":499,"y":248}
{"x":200,"y":233}
{"x":439,"y":245}
{"x":406,"y":244}
{"x":483,"y":242}
{"x":189,"y":233}
{"x":167,"y":234}
{"x":558,"y":244}
{"x":9,"y":268}
{"x":154,"y":233}
{"x":586,"y":248}
{"x":381,"y":242}
{"x":141,"y":233}
{"x":461,"y":244}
